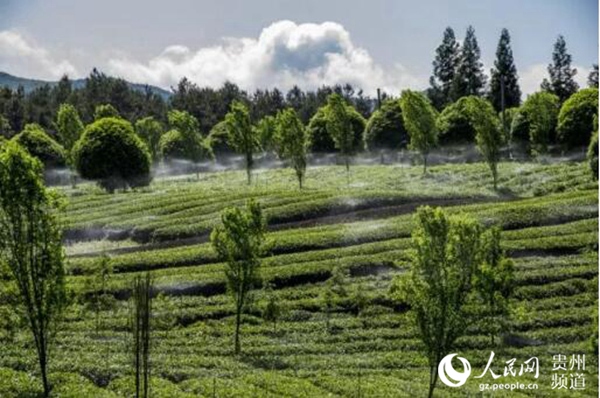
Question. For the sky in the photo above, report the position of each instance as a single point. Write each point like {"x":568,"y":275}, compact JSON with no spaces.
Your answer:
{"x":267,"y":43}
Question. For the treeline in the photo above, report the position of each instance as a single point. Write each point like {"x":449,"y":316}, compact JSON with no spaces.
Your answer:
{"x":207,"y":105}
{"x":457,"y":72}
{"x":65,"y":126}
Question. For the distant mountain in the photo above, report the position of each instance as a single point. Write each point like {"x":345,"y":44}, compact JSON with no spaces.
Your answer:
{"x":13,"y":82}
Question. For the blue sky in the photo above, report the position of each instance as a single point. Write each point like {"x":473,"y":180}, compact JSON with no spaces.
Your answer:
{"x":369,"y":43}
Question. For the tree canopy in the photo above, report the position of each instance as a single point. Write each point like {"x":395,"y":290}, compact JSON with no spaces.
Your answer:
{"x":385,"y":128}
{"x":40,"y":145}
{"x":576,"y":118}
{"x":110,"y":153}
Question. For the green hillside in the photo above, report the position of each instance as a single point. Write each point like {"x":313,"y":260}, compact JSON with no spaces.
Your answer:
{"x":549,"y":216}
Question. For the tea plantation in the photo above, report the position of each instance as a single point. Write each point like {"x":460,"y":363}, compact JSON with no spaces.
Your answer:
{"x":549,"y":217}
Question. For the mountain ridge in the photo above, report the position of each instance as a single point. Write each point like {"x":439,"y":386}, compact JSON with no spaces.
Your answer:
{"x":13,"y":82}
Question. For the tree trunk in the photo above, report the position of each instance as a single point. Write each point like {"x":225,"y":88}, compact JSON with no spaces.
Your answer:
{"x":237,"y":330}
{"x":432,"y":380}
{"x":424,"y":163}
{"x":43,"y":363}
{"x":249,"y":167}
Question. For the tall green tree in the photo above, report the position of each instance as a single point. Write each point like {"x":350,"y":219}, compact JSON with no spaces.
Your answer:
{"x":444,"y":256}
{"x":504,"y":76}
{"x":385,"y":128}
{"x":291,"y":140}
{"x":339,"y":127}
{"x":150,"y":130}
{"x":184,"y":140}
{"x":562,"y":82}
{"x":469,"y":78}
{"x":239,"y":242}
{"x":494,"y":282}
{"x":419,"y":120}
{"x":447,"y":57}
{"x":488,"y":134}
{"x":68,"y":126}
{"x":265,"y":131}
{"x":31,"y":246}
{"x":541,"y":110}
{"x":240,"y":134}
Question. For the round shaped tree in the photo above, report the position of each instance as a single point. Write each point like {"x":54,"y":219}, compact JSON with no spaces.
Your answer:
{"x":454,"y":123}
{"x":576,"y":118}
{"x":320,"y":139}
{"x":534,"y":124}
{"x":385,"y":128}
{"x":110,"y":153}
{"x":41,"y":145}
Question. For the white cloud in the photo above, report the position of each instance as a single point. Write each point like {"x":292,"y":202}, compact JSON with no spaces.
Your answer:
{"x":21,"y":57}
{"x":531,"y":78}
{"x":285,"y":54}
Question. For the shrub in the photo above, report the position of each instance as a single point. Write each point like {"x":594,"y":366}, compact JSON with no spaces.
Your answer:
{"x":385,"y":128}
{"x":41,"y":145}
{"x":576,"y":118}
{"x":110,"y":153}
{"x":454,"y":123}
{"x":150,"y":130}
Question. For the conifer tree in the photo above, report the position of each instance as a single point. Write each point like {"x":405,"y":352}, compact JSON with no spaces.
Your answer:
{"x":469,"y":78}
{"x":444,"y":70}
{"x":504,"y":73}
{"x":561,"y":81}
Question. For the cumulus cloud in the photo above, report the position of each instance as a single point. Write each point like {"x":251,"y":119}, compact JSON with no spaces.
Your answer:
{"x":285,"y":54}
{"x":22,"y":57}
{"x":531,"y":78}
